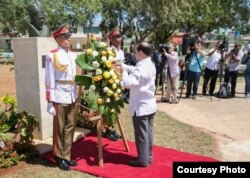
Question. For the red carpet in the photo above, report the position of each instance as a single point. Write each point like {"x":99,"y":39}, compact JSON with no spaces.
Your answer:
{"x":85,"y":152}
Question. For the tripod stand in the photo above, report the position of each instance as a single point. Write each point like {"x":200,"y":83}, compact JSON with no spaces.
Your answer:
{"x":169,"y":79}
{"x":221,"y":69}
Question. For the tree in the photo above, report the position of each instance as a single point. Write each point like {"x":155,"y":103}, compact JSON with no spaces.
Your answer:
{"x":13,"y":14}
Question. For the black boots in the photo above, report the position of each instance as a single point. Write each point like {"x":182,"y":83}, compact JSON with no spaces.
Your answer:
{"x":64,"y":164}
{"x":112,"y":135}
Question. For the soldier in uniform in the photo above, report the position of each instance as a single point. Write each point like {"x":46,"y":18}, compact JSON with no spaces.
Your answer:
{"x":115,"y":39}
{"x":61,"y":94}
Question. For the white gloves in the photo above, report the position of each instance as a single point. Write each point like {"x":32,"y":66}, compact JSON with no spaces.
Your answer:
{"x":51,"y":109}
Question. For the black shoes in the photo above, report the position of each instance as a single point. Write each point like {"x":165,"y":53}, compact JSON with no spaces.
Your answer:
{"x":135,"y":163}
{"x":116,"y":134}
{"x":71,"y":162}
{"x":112,"y":135}
{"x":64,"y":164}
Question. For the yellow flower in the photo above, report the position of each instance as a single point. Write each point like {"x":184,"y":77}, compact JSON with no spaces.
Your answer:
{"x":111,"y":53}
{"x":99,"y":101}
{"x":106,"y":75}
{"x":108,"y":63}
{"x":111,"y":81}
{"x":97,"y":78}
{"x":89,"y":51}
{"x":114,"y":86}
{"x":110,"y":93}
{"x":114,"y":77}
{"x":104,"y":53}
{"x":93,"y":37}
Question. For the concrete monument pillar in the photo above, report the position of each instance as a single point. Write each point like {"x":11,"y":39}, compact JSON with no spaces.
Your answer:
{"x":29,"y":59}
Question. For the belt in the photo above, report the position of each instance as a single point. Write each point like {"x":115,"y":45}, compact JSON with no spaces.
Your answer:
{"x":66,"y":82}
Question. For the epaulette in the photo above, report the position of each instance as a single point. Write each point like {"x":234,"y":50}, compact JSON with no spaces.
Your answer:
{"x":54,"y":51}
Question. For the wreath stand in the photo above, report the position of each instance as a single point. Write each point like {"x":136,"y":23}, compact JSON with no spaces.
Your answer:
{"x":99,"y":124}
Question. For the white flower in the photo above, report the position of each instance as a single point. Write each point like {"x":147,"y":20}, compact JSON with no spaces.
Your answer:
{"x":105,"y":89}
{"x":111,"y":58}
{"x":98,"y":71}
{"x":107,"y":100}
{"x":92,"y":87}
{"x":104,"y":58}
{"x":103,"y":44}
{"x":112,"y":72}
{"x":95,"y":64}
{"x":117,"y":81}
{"x":118,"y":90}
{"x":95,"y":53}
{"x":109,"y":49}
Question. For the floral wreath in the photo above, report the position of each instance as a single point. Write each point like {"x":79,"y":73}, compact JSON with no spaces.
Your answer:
{"x":101,"y":80}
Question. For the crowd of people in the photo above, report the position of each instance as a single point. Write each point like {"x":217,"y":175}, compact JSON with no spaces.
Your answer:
{"x":220,"y":64}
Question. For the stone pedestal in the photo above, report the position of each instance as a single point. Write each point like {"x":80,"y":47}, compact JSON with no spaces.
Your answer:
{"x":29,"y":58}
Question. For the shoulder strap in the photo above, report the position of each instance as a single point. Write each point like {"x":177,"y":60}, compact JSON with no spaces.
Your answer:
{"x":58,"y":66}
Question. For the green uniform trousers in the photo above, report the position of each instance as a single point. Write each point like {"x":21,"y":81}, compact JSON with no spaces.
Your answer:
{"x":63,"y":130}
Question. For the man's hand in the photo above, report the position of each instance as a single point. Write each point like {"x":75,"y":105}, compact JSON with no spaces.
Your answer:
{"x":51,"y":109}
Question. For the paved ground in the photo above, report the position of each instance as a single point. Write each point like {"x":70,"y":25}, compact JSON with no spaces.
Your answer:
{"x":226,"y":119}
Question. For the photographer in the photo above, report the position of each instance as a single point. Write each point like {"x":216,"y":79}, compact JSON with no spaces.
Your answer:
{"x":195,"y":61}
{"x":172,"y":64}
{"x":234,"y":57}
{"x":211,"y":70}
{"x":246,"y":60}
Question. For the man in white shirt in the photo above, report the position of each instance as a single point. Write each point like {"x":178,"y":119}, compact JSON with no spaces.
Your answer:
{"x":211,"y":70}
{"x":173,"y":73}
{"x":142,"y":102}
{"x":233,"y":65}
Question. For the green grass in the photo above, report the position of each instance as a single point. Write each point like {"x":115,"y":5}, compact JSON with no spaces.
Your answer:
{"x":167,"y":133}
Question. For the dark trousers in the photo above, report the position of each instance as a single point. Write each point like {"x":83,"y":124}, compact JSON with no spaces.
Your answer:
{"x":247,"y":79}
{"x":209,"y":75}
{"x":232,"y":77}
{"x":143,"y":130}
{"x":63,"y":130}
{"x":192,"y":81}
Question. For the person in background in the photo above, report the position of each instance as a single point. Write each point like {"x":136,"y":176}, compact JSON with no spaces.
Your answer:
{"x":234,"y":58}
{"x":130,"y":56}
{"x":173,"y":74}
{"x":211,"y":70}
{"x":129,"y":60}
{"x":140,"y":79}
{"x":195,"y":61}
{"x":182,"y":66}
{"x":246,"y":60}
{"x":61,"y":93}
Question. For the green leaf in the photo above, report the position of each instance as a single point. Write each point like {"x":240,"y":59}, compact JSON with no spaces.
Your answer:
{"x":84,"y":80}
{"x":24,"y":132}
{"x":91,"y":98}
{"x":92,"y":45}
{"x":82,"y":61}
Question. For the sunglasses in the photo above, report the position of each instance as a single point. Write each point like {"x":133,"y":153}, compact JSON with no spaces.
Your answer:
{"x":117,"y":36}
{"x":66,"y":35}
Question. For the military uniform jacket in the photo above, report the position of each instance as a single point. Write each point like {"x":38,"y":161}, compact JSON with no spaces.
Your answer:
{"x":60,"y":71}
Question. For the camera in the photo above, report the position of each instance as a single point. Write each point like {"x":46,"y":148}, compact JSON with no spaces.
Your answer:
{"x":224,"y":45}
{"x":192,"y":45}
{"x":162,"y":47}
